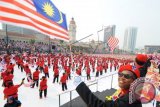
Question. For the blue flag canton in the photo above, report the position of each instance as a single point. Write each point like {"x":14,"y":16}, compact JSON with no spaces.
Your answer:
{"x":49,"y":10}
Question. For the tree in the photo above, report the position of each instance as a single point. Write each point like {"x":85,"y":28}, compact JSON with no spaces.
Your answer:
{"x":32,"y":41}
{"x":158,"y":51}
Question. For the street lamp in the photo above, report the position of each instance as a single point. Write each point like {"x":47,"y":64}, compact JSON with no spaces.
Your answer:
{"x":98,"y":34}
{"x":98,"y":39}
{"x":82,"y":39}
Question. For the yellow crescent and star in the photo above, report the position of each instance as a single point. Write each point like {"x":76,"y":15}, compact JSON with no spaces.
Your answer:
{"x":49,"y":10}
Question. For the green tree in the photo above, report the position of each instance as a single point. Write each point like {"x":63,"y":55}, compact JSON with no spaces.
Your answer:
{"x":32,"y":41}
{"x":158,"y":51}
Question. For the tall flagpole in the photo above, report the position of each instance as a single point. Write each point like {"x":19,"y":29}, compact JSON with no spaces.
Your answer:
{"x":49,"y":44}
{"x":7,"y":39}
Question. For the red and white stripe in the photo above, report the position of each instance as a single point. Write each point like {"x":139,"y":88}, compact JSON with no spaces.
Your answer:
{"x":113,"y":42}
{"x":23,"y":13}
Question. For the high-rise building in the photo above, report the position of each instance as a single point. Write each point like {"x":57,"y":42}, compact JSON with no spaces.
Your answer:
{"x":26,"y":33}
{"x":108,"y":32}
{"x":11,"y":28}
{"x":72,"y":30}
{"x":20,"y":30}
{"x":130,"y":39}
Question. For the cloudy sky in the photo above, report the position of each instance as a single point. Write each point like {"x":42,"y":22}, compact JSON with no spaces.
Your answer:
{"x":91,"y":15}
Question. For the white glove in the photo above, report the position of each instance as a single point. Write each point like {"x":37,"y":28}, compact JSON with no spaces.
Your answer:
{"x":77,"y":80}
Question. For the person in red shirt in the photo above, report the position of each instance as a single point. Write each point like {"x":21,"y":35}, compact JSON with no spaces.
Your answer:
{"x":27,"y":70}
{"x":56,"y":74}
{"x":12,"y":90}
{"x":11,"y":66}
{"x":98,"y":70}
{"x":111,"y":66}
{"x":78,"y":71}
{"x":88,"y":70}
{"x":101,"y":69}
{"x":21,"y":65}
{"x":41,"y":65}
{"x":63,"y":81}
{"x":105,"y":66}
{"x":46,"y":71}
{"x":7,"y":78}
{"x":43,"y":87}
{"x":4,"y":73}
{"x":36,"y":77}
{"x":68,"y":71}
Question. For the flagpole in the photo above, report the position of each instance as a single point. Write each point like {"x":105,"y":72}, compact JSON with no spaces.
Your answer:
{"x":98,"y":40}
{"x":7,"y":39}
{"x":49,"y":44}
{"x":70,"y":48}
{"x":82,"y":39}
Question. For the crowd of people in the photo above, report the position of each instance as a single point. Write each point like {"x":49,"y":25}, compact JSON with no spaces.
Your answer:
{"x":70,"y":64}
{"x":127,"y":74}
{"x":21,"y":46}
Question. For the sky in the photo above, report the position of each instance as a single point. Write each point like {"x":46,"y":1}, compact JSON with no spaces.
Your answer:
{"x":92,"y":15}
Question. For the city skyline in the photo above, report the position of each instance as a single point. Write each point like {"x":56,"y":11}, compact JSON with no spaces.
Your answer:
{"x":91,"y":16}
{"x":130,"y":39}
{"x":108,"y":32}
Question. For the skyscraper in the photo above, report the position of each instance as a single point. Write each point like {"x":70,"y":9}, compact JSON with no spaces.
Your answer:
{"x":108,"y":32}
{"x":20,"y":30}
{"x":130,"y":39}
{"x":72,"y":30}
{"x":23,"y":32}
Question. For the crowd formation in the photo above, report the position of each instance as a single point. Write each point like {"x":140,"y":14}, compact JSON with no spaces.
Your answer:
{"x":75,"y":64}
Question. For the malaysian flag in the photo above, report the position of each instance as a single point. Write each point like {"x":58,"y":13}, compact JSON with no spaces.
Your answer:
{"x":39,"y":15}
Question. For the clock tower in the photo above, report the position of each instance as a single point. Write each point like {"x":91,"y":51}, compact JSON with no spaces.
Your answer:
{"x":72,"y":30}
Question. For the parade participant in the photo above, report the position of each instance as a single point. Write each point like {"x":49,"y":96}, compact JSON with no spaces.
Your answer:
{"x":56,"y":74}
{"x":49,"y":61}
{"x":126,"y":76}
{"x":46,"y":71}
{"x":63,"y":81}
{"x":111,"y":66}
{"x":159,"y":67}
{"x":12,"y":90}
{"x":7,"y":78}
{"x":68,"y":71}
{"x":105,"y":66}
{"x":97,"y":70}
{"x":36,"y":77}
{"x":88,"y":70}
{"x":101,"y":69}
{"x":12,"y":102}
{"x":142,"y":63}
{"x":41,"y":64}
{"x":11,"y":67}
{"x":78,"y":70}
{"x":27,"y":70}
{"x":21,"y":64}
{"x":43,"y":87}
{"x":30,"y":81}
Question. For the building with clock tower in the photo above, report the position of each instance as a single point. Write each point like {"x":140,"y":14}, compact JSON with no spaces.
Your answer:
{"x":72,"y":30}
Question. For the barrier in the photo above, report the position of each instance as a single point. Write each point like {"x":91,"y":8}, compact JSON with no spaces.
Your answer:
{"x":91,"y":83}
